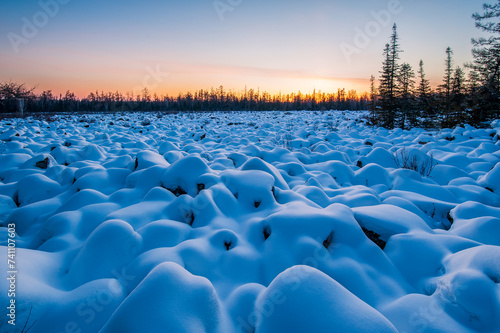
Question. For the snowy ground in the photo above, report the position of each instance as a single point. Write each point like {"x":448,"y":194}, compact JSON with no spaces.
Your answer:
{"x":243,"y":222}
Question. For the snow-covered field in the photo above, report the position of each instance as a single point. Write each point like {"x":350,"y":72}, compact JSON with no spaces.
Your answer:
{"x":248,"y":222}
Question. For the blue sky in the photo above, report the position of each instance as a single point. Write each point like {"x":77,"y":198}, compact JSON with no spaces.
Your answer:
{"x":175,"y":46}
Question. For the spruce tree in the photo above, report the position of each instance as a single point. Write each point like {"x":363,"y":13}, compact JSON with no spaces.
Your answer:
{"x":458,"y":95}
{"x":388,"y":81}
{"x":424,"y":96}
{"x":373,"y":98}
{"x":406,"y":81}
{"x":486,"y":52}
{"x":446,"y":87}
{"x":394,"y":54}
{"x":424,"y":86}
{"x":385,"y":80}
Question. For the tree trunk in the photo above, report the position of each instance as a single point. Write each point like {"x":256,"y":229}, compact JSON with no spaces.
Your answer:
{"x":21,"y":105}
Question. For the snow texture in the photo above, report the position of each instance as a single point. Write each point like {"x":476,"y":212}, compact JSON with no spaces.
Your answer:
{"x":249,"y":222}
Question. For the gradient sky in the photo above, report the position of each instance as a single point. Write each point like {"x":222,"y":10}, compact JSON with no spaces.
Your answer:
{"x":176,"y":46}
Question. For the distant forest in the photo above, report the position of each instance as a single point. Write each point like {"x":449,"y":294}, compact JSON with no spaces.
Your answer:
{"x":17,"y":98}
{"x":398,"y":98}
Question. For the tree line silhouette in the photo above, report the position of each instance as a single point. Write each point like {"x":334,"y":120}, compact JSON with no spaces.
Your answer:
{"x":17,"y":98}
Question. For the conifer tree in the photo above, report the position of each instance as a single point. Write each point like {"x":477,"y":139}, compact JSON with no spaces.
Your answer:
{"x":486,"y":52}
{"x":373,"y":98}
{"x":458,"y":95}
{"x":406,"y":81}
{"x":424,"y":87}
{"x":446,"y":87}
{"x":424,"y":96}
{"x":388,"y":81}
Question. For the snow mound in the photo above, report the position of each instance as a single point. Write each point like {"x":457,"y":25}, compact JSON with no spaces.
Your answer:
{"x":169,"y":299}
{"x":309,"y":294}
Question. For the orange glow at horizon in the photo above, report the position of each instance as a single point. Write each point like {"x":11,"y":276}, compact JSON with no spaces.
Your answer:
{"x":174,"y":47}
{"x":177,"y":84}
{"x":289,"y":86}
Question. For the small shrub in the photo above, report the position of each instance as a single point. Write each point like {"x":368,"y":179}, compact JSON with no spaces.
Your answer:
{"x":287,"y":141}
{"x":405,"y":160}
{"x":330,"y":125}
{"x":26,"y":329}
{"x":177,"y":191}
{"x":374,"y":237}
{"x":43,"y":164}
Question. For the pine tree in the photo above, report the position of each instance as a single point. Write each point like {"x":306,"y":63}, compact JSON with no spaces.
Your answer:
{"x":388,"y":81}
{"x":486,"y":52}
{"x":406,"y":81}
{"x":445,"y":88}
{"x":394,"y":55}
{"x":472,"y":87}
{"x":424,"y":96}
{"x":424,"y":86}
{"x":373,"y":98}
{"x":458,"y":84}
{"x":458,"y":94}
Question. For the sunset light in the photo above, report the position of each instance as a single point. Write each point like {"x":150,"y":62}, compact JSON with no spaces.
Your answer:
{"x":93,"y":45}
